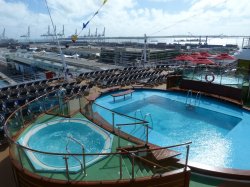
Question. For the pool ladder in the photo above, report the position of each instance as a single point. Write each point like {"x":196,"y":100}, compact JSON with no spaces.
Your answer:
{"x":189,"y":99}
{"x":83,"y":162}
{"x":148,"y":115}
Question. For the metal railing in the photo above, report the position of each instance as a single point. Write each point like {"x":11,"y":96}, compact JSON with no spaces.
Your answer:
{"x":189,"y":98}
{"x":108,"y":118}
{"x":133,"y":155}
{"x":83,"y":162}
{"x":190,"y":101}
{"x":223,"y":75}
{"x":29,"y":115}
{"x":197,"y":99}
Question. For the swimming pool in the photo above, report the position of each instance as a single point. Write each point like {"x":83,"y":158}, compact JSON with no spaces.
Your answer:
{"x":65,"y":136}
{"x":219,"y":131}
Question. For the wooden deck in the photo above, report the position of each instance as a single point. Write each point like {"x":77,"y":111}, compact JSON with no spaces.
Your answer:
{"x":163,"y":154}
{"x":110,"y":89}
{"x":93,"y":97}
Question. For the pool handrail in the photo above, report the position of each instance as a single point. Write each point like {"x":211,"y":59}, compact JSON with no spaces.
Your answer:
{"x":121,"y":114}
{"x":83,"y":151}
{"x":140,"y":123}
{"x":82,"y":167}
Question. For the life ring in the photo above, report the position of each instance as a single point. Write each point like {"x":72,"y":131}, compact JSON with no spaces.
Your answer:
{"x":208,"y":79}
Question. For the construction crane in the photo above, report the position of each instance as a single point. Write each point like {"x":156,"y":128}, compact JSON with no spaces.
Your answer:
{"x":48,"y":34}
{"x":61,"y":35}
{"x":27,"y":35}
{"x":2,"y":36}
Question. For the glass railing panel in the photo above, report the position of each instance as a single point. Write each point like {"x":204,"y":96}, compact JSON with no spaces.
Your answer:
{"x":51,"y":101}
{"x":72,"y":106}
{"x":188,"y":73}
{"x":14,"y":124}
{"x":36,"y":107}
{"x":27,"y":114}
{"x":217,"y":75}
{"x":244,"y":75}
{"x":232,"y":77}
{"x":14,"y":151}
{"x":86,"y":107}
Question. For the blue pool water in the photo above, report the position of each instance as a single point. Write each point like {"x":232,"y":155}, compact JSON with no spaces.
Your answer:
{"x":218,"y":131}
{"x":55,"y":136}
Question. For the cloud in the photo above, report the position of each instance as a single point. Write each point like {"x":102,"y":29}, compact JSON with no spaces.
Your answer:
{"x":128,"y":18}
{"x":161,"y":1}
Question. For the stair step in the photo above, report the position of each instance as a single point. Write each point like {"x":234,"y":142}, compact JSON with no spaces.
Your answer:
{"x":145,"y":169}
{"x":128,"y":163}
{"x":138,"y":172}
{"x":140,"y":169}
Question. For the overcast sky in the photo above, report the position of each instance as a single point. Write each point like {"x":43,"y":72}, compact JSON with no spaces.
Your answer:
{"x":128,"y":17}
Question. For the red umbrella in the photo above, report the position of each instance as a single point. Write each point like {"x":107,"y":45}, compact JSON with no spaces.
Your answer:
{"x":205,"y":54}
{"x":224,"y":56}
{"x":203,"y":60}
{"x":195,"y":55}
{"x":183,"y":58}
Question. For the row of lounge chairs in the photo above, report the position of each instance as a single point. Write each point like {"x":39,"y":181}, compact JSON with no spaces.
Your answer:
{"x":15,"y":96}
{"x":122,"y":75}
{"x":156,"y":80}
{"x":19,"y":91}
{"x":125,"y":78}
{"x":97,"y":73}
{"x":105,"y":72}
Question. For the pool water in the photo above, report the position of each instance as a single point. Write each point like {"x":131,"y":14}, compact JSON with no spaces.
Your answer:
{"x":217,"y":130}
{"x":54,"y":138}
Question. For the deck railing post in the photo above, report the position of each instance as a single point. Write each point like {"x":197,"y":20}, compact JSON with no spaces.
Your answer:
{"x":84,"y":161}
{"x":120,"y":161}
{"x":19,"y":156}
{"x":80,"y":104}
{"x":220,"y":75}
{"x":187,"y":155}
{"x":21,"y":114}
{"x":133,"y":166}
{"x":60,"y":95}
{"x":146,"y":134}
{"x":119,"y":139}
{"x":113,"y":121}
{"x":44,"y":100}
{"x":67,"y":167}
